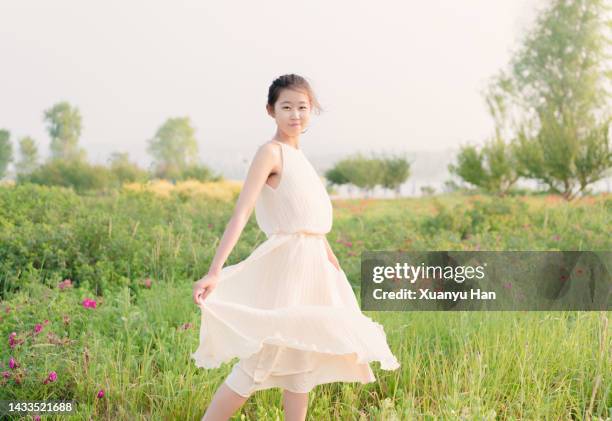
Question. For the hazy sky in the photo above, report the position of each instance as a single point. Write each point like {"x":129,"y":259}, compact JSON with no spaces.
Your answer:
{"x":391,"y":75}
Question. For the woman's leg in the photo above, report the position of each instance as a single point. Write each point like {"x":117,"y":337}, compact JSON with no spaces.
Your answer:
{"x":295,"y":405}
{"x":224,"y":404}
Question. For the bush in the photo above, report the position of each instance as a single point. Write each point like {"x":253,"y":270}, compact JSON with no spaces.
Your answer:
{"x":198,"y":172}
{"x":483,"y":216}
{"x":77,"y":174}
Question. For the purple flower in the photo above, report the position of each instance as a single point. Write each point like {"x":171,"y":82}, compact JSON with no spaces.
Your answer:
{"x":6,"y":374}
{"x":37,"y":328}
{"x":100,"y":393}
{"x":51,"y":378}
{"x":12,"y":363}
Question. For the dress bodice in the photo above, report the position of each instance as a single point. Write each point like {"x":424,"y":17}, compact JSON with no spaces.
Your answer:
{"x":300,"y":201}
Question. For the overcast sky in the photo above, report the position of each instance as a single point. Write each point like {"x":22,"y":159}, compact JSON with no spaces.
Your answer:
{"x":391,"y":75}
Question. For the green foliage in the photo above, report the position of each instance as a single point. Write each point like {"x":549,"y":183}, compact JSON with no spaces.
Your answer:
{"x":173,"y":148}
{"x":566,"y":164}
{"x":6,"y":151}
{"x":101,"y":241}
{"x":367,"y":173}
{"x":562,"y":69}
{"x":482,"y":217}
{"x":555,"y":97}
{"x":198,"y":172}
{"x":79,"y":175}
{"x":360,"y":171}
{"x":28,"y":153}
{"x":335,"y":176}
{"x":124,"y":171}
{"x":493,"y":168}
{"x":469,"y":166}
{"x":135,"y":344}
{"x":396,"y":172}
{"x":64,"y":124}
{"x":594,"y":158}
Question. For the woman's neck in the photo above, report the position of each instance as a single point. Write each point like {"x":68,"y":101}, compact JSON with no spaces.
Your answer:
{"x":291,"y":140}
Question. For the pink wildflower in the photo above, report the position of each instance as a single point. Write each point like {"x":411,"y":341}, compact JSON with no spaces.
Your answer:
{"x":88,"y":303}
{"x":147,"y":283}
{"x":38,"y":328}
{"x":100,"y":393}
{"x":12,"y":363}
{"x":6,"y":374}
{"x":51,"y":378}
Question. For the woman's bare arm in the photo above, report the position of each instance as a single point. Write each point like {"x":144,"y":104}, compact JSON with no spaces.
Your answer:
{"x":265,"y":160}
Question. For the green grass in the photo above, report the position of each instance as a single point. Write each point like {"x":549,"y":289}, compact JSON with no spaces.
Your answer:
{"x":136,"y":347}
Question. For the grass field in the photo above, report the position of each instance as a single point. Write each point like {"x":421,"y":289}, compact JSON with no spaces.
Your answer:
{"x":136,"y":254}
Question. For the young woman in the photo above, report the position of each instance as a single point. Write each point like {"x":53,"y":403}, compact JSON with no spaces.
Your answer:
{"x":287,"y":311}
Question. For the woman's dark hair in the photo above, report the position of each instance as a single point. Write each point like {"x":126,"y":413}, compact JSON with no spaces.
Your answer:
{"x":295,"y":82}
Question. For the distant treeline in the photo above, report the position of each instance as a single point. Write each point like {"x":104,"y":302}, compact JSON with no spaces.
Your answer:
{"x":173,"y":148}
{"x":388,"y":172}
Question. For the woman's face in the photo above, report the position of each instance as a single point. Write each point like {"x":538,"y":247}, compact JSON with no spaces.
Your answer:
{"x":292,"y":111}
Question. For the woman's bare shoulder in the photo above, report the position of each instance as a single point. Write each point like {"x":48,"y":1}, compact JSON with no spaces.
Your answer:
{"x":270,"y":149}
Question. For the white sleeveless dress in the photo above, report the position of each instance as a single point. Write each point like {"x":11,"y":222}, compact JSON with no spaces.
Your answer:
{"x":285,"y":311}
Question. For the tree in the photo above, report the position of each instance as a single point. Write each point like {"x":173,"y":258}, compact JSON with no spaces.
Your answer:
{"x":335,"y":177}
{"x":556,"y":95}
{"x":493,"y":168}
{"x":28,"y":153}
{"x":361,"y":172}
{"x":396,"y":172}
{"x":174,"y":148}
{"x":64,"y":127}
{"x":6,"y":151}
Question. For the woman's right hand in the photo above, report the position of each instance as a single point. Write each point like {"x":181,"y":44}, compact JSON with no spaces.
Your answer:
{"x":204,"y":286}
